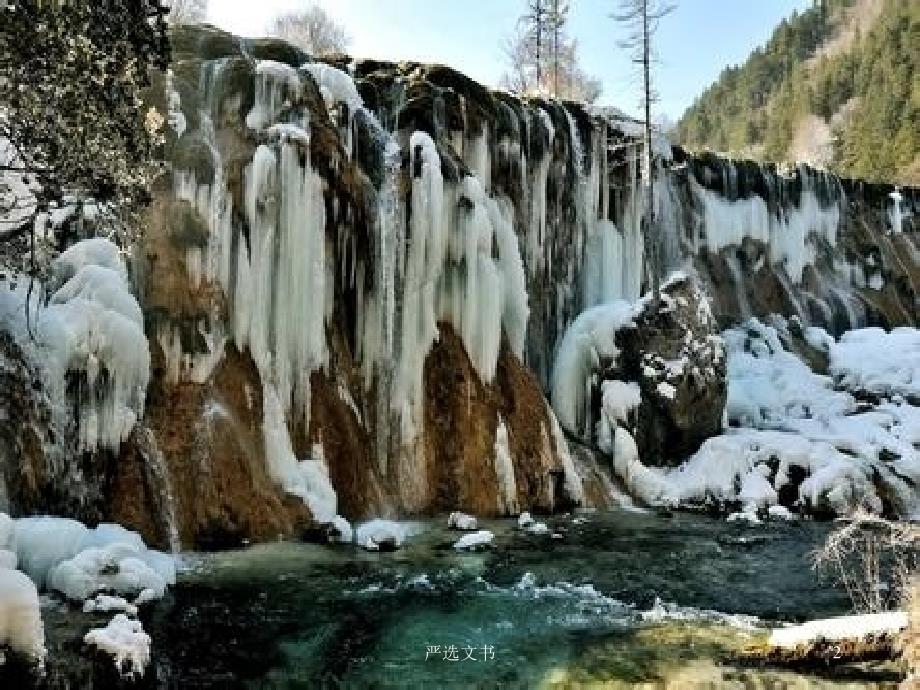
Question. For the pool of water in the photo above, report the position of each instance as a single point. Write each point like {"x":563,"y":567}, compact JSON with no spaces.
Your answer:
{"x":612,"y":600}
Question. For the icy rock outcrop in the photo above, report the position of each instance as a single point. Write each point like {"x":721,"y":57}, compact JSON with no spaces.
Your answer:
{"x":655,"y":371}
{"x":794,"y":442}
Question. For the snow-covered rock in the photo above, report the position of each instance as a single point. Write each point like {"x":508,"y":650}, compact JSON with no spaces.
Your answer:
{"x":474,"y":541}
{"x":103,"y":603}
{"x":527,"y":523}
{"x":21,"y":627}
{"x":382,"y":535}
{"x":656,"y":368}
{"x":126,"y":642}
{"x":462,"y":522}
{"x":79,"y":562}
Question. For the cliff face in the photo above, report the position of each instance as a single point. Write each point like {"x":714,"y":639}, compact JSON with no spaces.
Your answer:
{"x":356,"y":281}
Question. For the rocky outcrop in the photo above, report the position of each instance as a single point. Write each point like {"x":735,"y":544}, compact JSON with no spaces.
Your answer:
{"x":675,"y":355}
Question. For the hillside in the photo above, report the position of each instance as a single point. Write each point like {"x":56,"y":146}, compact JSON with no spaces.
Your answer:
{"x":836,"y":85}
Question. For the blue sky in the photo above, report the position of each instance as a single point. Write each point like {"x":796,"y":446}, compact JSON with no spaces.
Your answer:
{"x":694,"y":43}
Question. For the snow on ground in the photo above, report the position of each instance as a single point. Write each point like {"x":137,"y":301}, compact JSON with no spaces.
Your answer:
{"x":840,"y":628}
{"x":885,"y":364}
{"x":125,"y":641}
{"x":795,"y":431}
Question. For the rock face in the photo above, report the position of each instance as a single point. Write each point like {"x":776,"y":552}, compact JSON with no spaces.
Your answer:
{"x":358,"y":276}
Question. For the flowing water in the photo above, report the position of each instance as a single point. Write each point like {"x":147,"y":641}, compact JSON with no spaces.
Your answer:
{"x":614,"y":600}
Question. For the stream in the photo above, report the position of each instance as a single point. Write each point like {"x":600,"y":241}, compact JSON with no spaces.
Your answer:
{"x":620,"y":599}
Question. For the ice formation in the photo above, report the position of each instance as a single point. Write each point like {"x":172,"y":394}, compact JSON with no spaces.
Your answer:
{"x":504,"y":471}
{"x":589,"y":341}
{"x":790,"y":233}
{"x":528,"y":524}
{"x":618,"y":400}
{"x":104,"y":603}
{"x":307,"y":479}
{"x":90,"y":345}
{"x":126,"y":642}
{"x":877,"y":362}
{"x":377,"y":535}
{"x":461,"y":265}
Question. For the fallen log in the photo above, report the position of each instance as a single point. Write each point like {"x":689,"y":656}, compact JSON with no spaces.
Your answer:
{"x":830,"y":642}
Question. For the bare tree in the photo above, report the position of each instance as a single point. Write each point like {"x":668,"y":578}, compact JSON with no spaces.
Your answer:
{"x":534,"y":24}
{"x":873,"y":559}
{"x":313,"y":30}
{"x":188,"y":11}
{"x":546,"y":61}
{"x":556,"y":19}
{"x":641,"y":18}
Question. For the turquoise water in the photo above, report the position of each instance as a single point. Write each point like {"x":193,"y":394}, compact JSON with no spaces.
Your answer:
{"x":619,"y":600}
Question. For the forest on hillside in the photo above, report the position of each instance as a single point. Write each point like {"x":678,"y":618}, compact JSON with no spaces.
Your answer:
{"x":836,"y":85}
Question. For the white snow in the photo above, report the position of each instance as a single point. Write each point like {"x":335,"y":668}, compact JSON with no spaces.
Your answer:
{"x":116,"y":567}
{"x":840,"y":628}
{"x":462,"y":522}
{"x":886,"y":364}
{"x":792,"y":419}
{"x":619,"y":399}
{"x":21,"y":627}
{"x":474,"y":541}
{"x":92,"y":332}
{"x":8,"y":560}
{"x":342,"y":530}
{"x":527,"y":523}
{"x":126,"y":642}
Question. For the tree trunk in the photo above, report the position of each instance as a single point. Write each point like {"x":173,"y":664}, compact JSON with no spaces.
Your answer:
{"x":651,"y":238}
